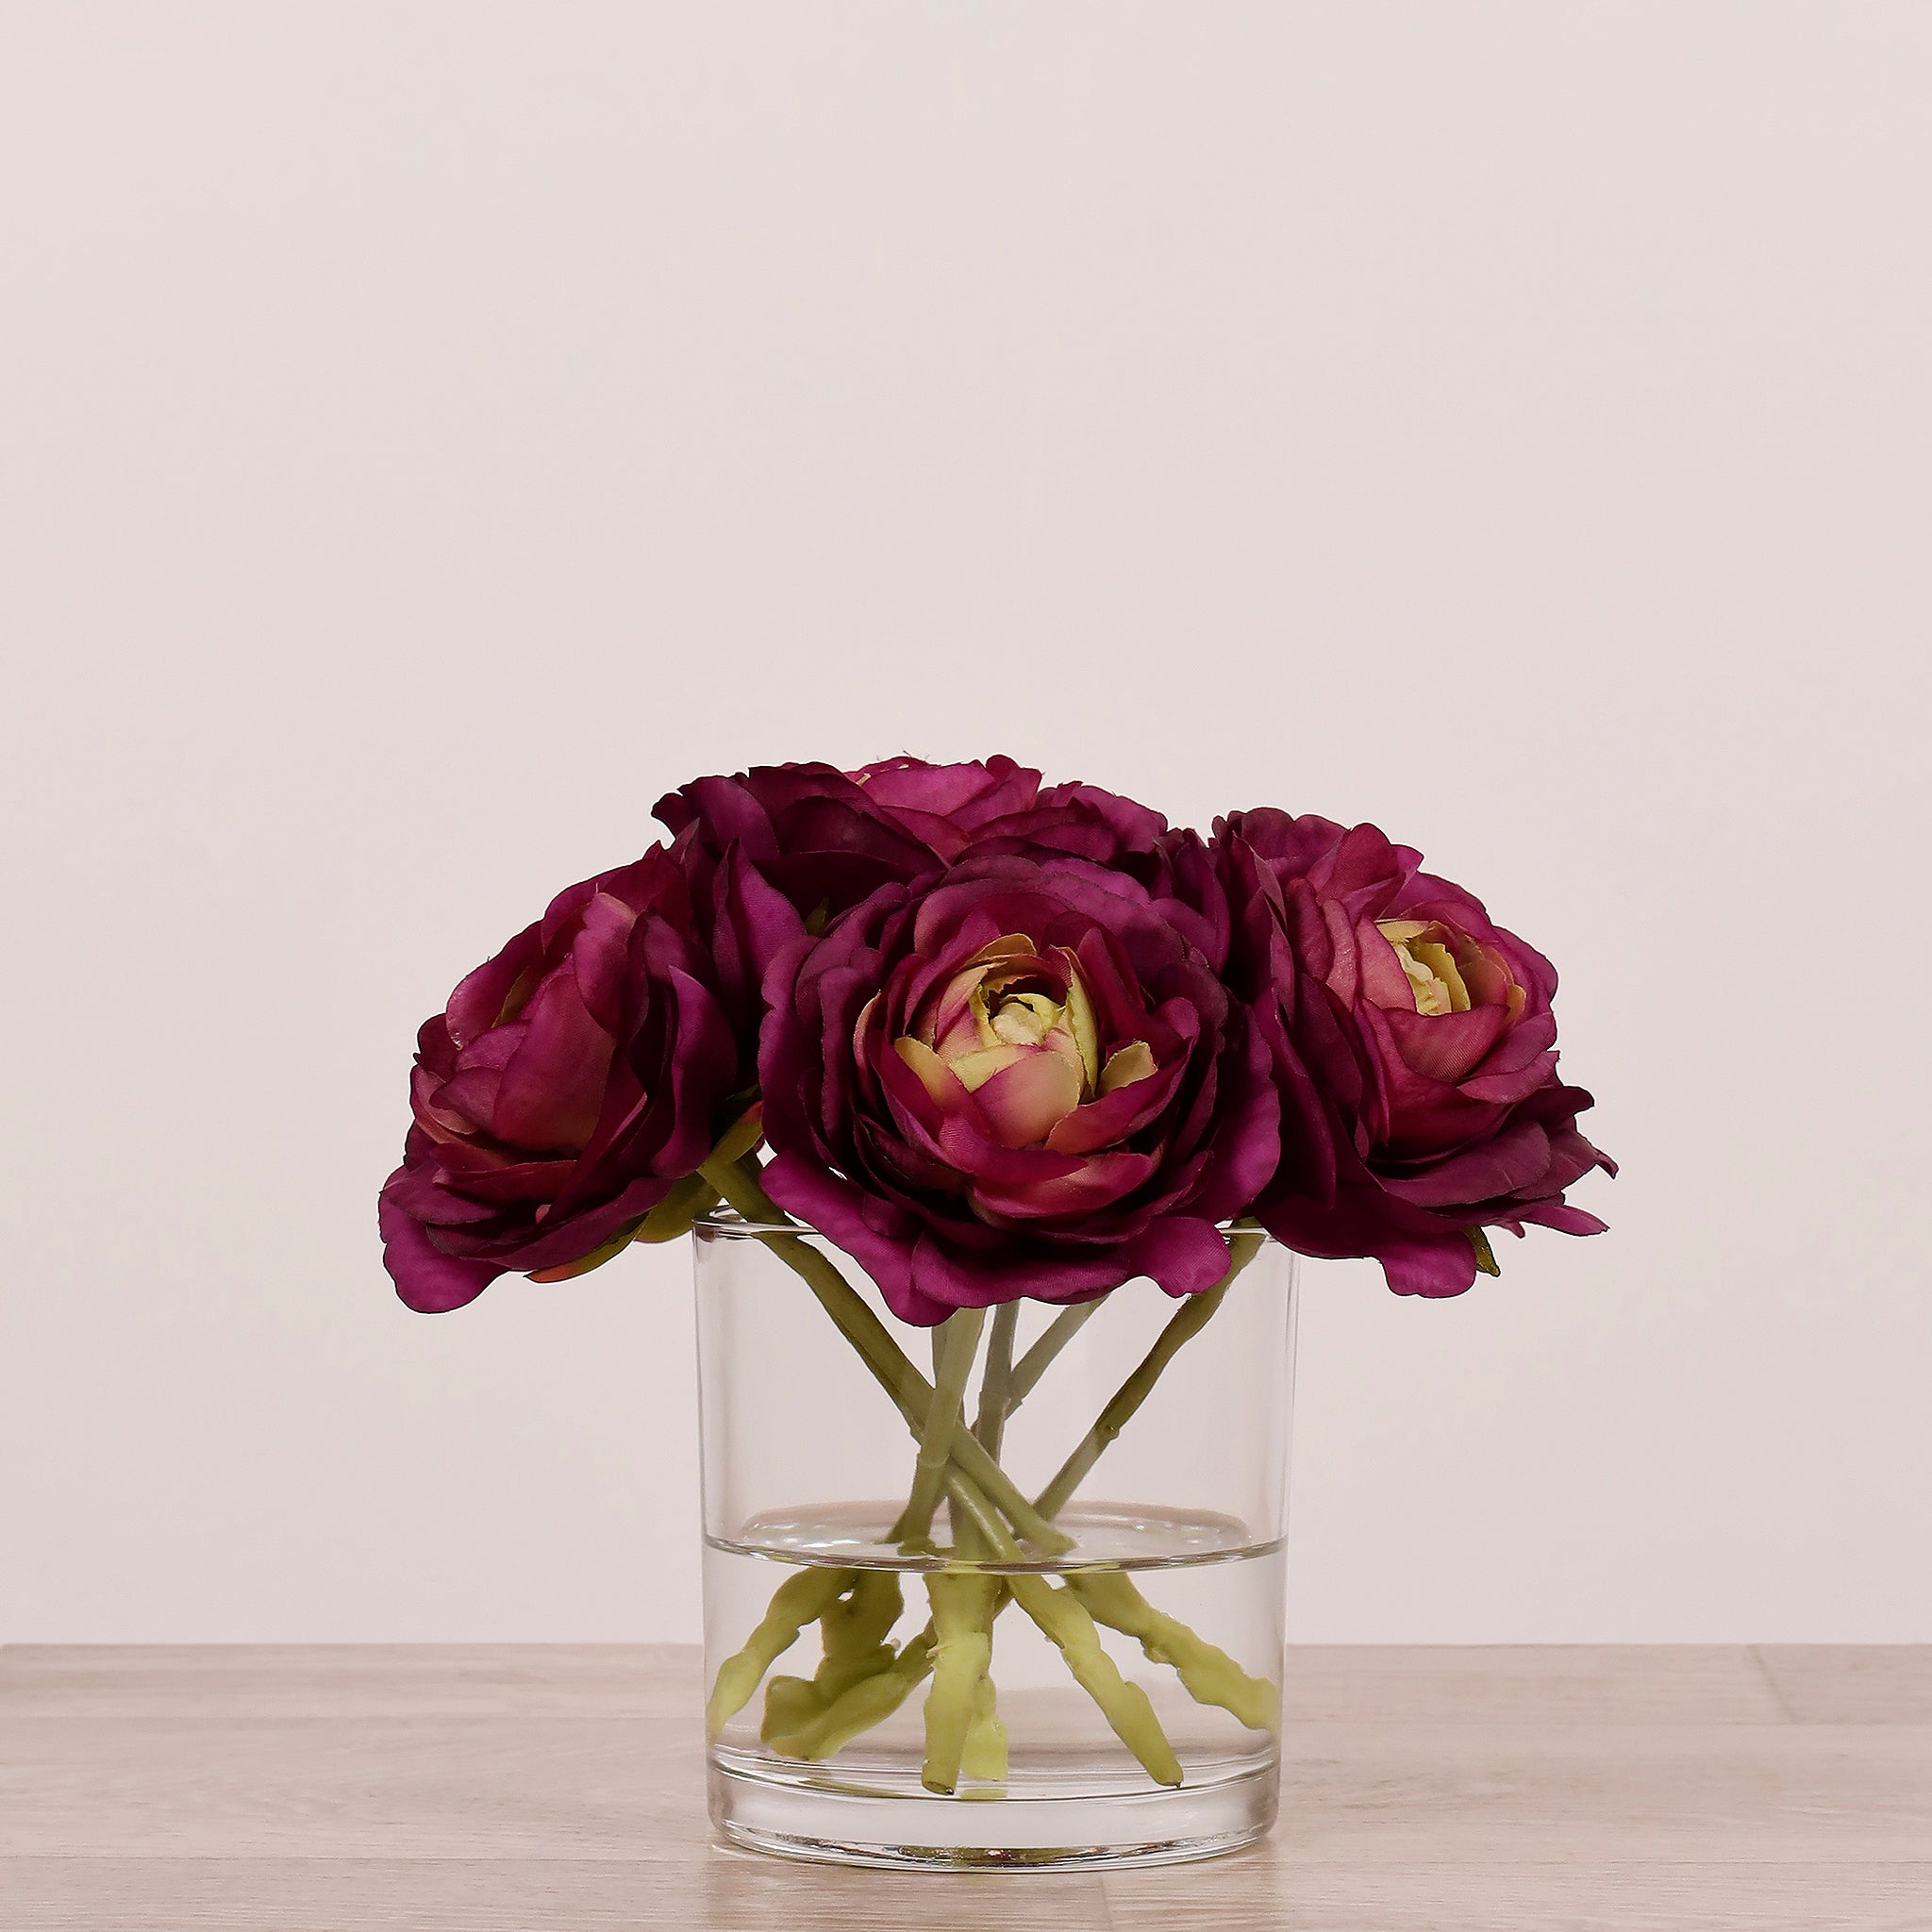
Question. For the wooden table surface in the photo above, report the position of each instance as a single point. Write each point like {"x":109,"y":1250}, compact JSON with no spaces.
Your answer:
{"x":481,"y":1789}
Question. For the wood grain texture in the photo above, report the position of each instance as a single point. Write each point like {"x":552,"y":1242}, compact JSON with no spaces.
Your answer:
{"x":1596,"y":1683}
{"x":714,"y":1889}
{"x":379,"y":1752}
{"x":1266,"y":1892}
{"x":1438,"y":1793}
{"x":281,"y":1789}
{"x":1833,"y":1684}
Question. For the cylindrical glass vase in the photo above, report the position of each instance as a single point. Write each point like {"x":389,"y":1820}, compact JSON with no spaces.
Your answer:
{"x":1046,"y":1633}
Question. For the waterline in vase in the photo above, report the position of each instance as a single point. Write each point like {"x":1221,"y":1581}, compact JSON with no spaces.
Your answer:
{"x":1108,"y":1536}
{"x":1072,"y":1793}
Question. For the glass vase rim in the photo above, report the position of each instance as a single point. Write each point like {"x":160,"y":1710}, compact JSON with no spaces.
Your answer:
{"x":724,"y":1220}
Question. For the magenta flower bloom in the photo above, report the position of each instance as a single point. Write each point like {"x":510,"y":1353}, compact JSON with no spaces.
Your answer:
{"x":780,"y":845}
{"x":574,"y":1079}
{"x":1415,"y":1049}
{"x":1022,"y":1076}
{"x":826,"y":838}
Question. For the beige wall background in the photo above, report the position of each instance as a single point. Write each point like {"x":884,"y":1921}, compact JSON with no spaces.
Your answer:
{"x":428,"y":432}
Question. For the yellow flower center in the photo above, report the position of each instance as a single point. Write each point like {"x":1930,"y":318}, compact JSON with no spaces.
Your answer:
{"x":1014,"y":1011}
{"x":1433,"y":978}
{"x":1448,"y":971}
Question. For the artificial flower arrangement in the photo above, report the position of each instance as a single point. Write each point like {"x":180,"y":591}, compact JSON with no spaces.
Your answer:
{"x":996,"y":1040}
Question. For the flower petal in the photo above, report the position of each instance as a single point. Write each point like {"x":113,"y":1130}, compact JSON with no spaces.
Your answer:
{"x":426,"y":1279}
{"x":552,"y":1088}
{"x":1026,"y":1101}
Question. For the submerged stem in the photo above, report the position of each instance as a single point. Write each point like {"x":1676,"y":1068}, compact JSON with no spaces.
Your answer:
{"x":853,"y":1632}
{"x":1066,"y":1623}
{"x":798,"y":1601}
{"x":982,"y":1753}
{"x":871,"y":1701}
{"x":985,"y":1756}
{"x":1206,"y":1671}
{"x":962,"y":1650}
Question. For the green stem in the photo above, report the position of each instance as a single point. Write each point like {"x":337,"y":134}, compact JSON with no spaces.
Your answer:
{"x":869,"y":1702}
{"x":853,"y":1632}
{"x":798,"y":1601}
{"x":982,"y":1753}
{"x":985,"y":1756}
{"x":1054,"y":1336}
{"x":889,"y":1363}
{"x":958,"y":1343}
{"x":970,"y":1510}
{"x":1192,"y":1316}
{"x":1066,"y":1623}
{"x":1208,"y":1673}
{"x":996,"y":1384}
{"x":962,"y":1649}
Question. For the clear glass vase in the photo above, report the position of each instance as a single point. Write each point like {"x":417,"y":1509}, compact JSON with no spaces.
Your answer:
{"x":1046,"y":1633}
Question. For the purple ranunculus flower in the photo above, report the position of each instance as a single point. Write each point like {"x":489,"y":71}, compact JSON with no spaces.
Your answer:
{"x":1414,"y":1047}
{"x":1019,"y":1076}
{"x":573,"y":1081}
{"x":771,"y":850}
